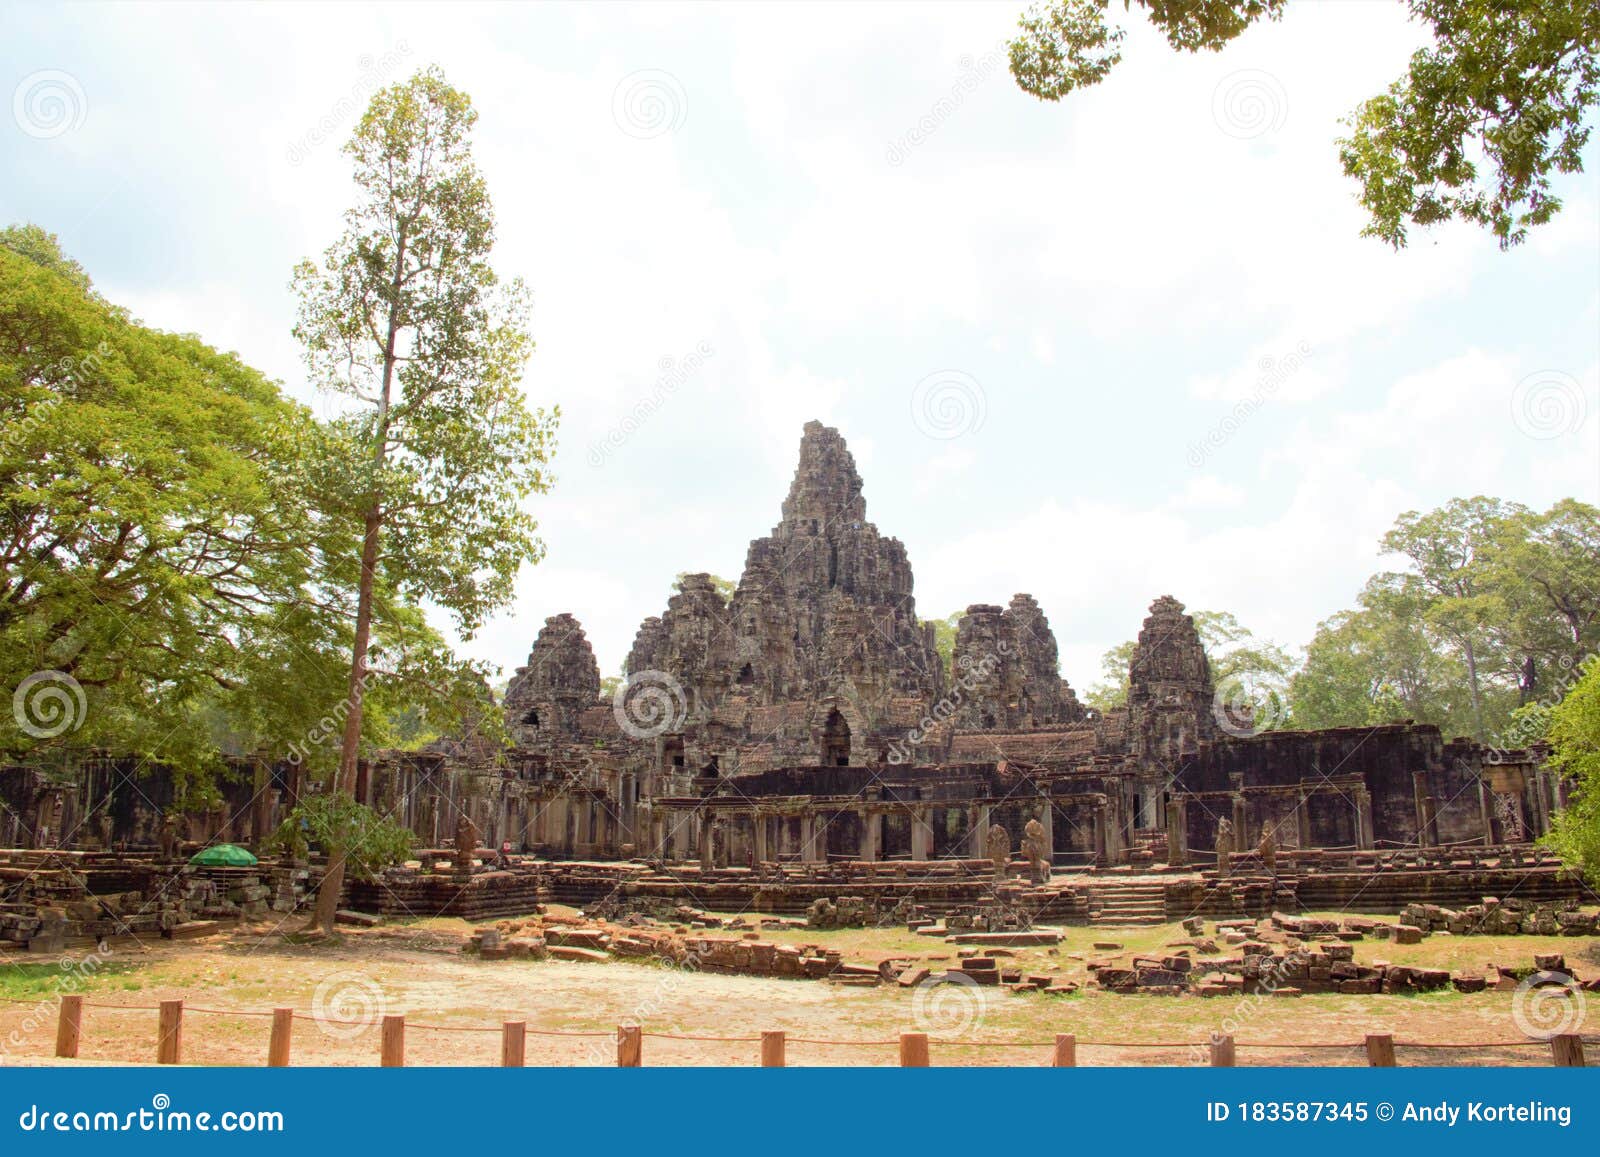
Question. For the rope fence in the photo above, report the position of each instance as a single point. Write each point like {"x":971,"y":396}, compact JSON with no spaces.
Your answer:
{"x":915,"y":1048}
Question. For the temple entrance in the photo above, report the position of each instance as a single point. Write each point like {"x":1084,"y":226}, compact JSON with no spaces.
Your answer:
{"x":835,"y":741}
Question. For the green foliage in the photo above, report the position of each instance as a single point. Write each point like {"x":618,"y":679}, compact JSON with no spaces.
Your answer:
{"x":1112,"y":690}
{"x":406,"y":318}
{"x":1474,"y":130}
{"x":1575,"y":740}
{"x":155,"y":526}
{"x":944,"y":636}
{"x":338,"y":825}
{"x":1498,"y":606}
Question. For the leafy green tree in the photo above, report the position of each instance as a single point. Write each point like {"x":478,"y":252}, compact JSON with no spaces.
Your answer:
{"x":1545,"y":571}
{"x":1451,"y":551}
{"x":365,"y":841}
{"x":1474,"y":130}
{"x":406,"y":319}
{"x":153,"y":521}
{"x":1575,"y":741}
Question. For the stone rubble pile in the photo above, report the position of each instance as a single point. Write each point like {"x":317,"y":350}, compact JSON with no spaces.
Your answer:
{"x":1507,"y":917}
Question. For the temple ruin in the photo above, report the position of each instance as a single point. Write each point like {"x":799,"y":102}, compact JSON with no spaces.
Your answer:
{"x":809,"y":723}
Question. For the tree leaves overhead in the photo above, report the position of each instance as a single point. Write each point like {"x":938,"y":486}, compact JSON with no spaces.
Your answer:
{"x":1474,"y":131}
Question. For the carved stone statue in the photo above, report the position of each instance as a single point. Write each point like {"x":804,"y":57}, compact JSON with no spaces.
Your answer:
{"x":1267,"y":849}
{"x":169,"y":837}
{"x":107,"y":827}
{"x":998,"y":845}
{"x":1224,"y":847}
{"x":1035,"y":847}
{"x":466,"y":845}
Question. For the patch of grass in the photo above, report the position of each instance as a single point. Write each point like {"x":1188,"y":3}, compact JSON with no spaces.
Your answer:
{"x":46,"y":979}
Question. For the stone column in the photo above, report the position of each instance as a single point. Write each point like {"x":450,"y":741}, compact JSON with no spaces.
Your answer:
{"x":1047,"y":820}
{"x":869,"y":834}
{"x":1302,"y":820}
{"x":809,"y":851}
{"x":1419,"y":791}
{"x":1175,"y":832}
{"x":707,"y":845}
{"x":1097,"y":823}
{"x":1241,"y":821}
{"x":921,"y":835}
{"x":977,"y":848}
{"x":1364,"y":836}
{"x":758,"y":821}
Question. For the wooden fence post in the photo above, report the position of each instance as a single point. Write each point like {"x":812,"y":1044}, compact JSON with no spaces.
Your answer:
{"x":282,"y":1033}
{"x":630,"y":1046}
{"x":1566,"y":1049}
{"x":1221,"y":1051}
{"x":393,"y":1046}
{"x":914,"y":1050}
{"x":1066,"y":1056}
{"x":169,"y":1033}
{"x":69,"y":1026}
{"x":772,"y":1045}
{"x":1380,"y":1050}
{"x":514,"y":1044}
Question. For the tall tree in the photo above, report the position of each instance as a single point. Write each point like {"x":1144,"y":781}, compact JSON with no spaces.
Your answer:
{"x":1451,"y":551}
{"x":154,"y":524}
{"x":407,"y":319}
{"x":1505,"y":87}
{"x":1575,"y":740}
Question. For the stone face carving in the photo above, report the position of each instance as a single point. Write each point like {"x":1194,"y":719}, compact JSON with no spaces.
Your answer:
{"x":1006,"y":670}
{"x":1035,"y":845}
{"x":1170,"y":695}
{"x":998,"y":845}
{"x":560,"y":679}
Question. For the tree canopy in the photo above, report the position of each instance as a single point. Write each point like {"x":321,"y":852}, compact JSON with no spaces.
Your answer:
{"x":1475,"y":129}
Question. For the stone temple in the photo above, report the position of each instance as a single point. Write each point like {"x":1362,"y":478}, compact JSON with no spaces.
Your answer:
{"x":810,"y":720}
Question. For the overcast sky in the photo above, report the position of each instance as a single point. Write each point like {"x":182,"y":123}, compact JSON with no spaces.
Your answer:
{"x":1033,"y":323}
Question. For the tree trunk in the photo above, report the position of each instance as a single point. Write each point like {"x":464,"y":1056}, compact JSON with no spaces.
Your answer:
{"x":350,"y":746}
{"x":1472,"y":683}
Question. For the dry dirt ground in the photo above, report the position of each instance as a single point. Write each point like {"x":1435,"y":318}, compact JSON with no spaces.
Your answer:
{"x":455,"y":1004}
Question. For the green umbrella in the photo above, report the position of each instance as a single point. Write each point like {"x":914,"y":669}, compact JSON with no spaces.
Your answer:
{"x":223,"y":856}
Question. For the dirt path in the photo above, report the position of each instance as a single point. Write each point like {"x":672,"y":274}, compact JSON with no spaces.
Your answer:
{"x":455,"y":1004}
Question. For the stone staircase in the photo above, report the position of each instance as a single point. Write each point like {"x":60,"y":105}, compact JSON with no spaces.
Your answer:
{"x":1127,"y":903}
